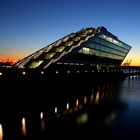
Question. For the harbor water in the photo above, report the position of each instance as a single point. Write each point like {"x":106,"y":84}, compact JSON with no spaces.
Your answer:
{"x":110,"y":110}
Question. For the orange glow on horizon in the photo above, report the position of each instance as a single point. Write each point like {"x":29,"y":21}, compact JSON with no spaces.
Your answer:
{"x":11,"y":59}
{"x":15,"y":57}
{"x":135,"y":59}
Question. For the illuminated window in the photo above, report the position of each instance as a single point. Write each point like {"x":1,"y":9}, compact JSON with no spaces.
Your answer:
{"x":81,"y":51}
{"x":91,"y":51}
{"x":60,"y":49}
{"x":108,"y":55}
{"x":69,"y":43}
{"x":35,"y":64}
{"x":65,"y":63}
{"x":76,"y":39}
{"x":89,"y":31}
{"x":116,"y":42}
{"x":49,"y":55}
{"x":59,"y":63}
{"x":86,"y":50}
{"x":83,"y":35}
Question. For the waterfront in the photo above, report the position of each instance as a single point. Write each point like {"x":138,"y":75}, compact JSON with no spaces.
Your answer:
{"x":109,"y":110}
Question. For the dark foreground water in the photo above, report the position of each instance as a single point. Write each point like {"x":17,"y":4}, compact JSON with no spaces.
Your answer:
{"x":107,"y":111}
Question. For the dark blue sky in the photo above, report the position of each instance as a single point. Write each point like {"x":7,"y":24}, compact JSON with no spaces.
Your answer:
{"x":28,"y":25}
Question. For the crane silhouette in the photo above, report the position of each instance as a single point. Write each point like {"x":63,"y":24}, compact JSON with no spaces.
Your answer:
{"x":127,"y":63}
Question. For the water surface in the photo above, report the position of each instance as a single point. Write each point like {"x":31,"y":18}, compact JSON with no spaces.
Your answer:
{"x":109,"y":110}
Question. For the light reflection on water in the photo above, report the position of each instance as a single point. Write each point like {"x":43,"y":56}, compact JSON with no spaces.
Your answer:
{"x":128,"y":123}
{"x":131,"y":87}
{"x":110,"y":110}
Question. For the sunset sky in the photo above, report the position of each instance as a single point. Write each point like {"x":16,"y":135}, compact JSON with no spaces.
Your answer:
{"x":29,"y":25}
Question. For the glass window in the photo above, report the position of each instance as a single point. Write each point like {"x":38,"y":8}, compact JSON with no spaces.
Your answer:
{"x":114,"y":41}
{"x":60,"y":49}
{"x":104,"y":48}
{"x":99,"y":53}
{"x":76,"y":38}
{"x":83,"y":35}
{"x":69,"y":43}
{"x":91,"y":51}
{"x":108,"y":45}
{"x":108,"y":55}
{"x":35,"y":64}
{"x":49,"y":55}
{"x":89,"y":31}
{"x":86,"y":50}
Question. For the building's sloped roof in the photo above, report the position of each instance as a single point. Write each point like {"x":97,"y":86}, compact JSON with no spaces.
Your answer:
{"x":56,"y":50}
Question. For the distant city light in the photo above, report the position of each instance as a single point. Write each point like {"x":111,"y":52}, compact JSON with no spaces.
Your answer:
{"x":55,"y":110}
{"x":23,"y":72}
{"x":42,"y":72}
{"x":67,"y":107}
{"x":77,"y":103}
{"x":41,"y":115}
{"x":85,"y":99}
{"x":68,"y":71}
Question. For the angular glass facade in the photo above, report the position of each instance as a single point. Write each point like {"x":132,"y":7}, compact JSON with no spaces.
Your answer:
{"x":102,"y":46}
{"x":88,"y":46}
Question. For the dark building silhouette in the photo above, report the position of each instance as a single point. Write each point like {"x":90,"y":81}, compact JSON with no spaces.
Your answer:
{"x":92,"y":47}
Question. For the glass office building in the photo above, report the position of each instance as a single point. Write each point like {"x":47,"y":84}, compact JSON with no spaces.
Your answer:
{"x":86,"y":47}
